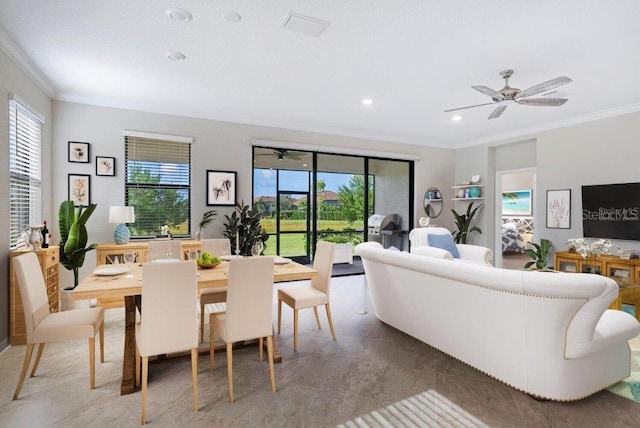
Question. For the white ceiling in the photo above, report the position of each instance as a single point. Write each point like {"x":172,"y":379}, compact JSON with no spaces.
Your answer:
{"x":414,"y":58}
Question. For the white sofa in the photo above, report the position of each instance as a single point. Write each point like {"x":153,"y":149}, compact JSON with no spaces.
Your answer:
{"x":547,"y":334}
{"x":419,"y":239}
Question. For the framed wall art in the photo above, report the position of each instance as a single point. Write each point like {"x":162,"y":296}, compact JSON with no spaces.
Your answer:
{"x":559,"y":209}
{"x":105,"y":166}
{"x":80,"y":189}
{"x":221,"y":188}
{"x":516,"y":202}
{"x":78,"y":152}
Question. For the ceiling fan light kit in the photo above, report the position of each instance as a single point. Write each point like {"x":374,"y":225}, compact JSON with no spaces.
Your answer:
{"x":508,"y":95}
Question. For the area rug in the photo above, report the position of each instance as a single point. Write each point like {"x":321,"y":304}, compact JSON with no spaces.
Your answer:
{"x":630,"y":387}
{"x":427,"y":409}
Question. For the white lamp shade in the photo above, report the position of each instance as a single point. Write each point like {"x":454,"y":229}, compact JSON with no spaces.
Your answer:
{"x":121,"y":215}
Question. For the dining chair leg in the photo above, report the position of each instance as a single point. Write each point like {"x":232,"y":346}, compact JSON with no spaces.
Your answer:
{"x":102,"y":342}
{"x":272,"y":373}
{"x":194,"y":377}
{"x":279,"y":315}
{"x":230,"y":370}
{"x":145,"y":373}
{"x":202,"y":323}
{"x":25,"y":367}
{"x":37,"y":362}
{"x":295,"y":329}
{"x":211,"y":345}
{"x":333,"y":331}
{"x":315,"y":312}
{"x":260,"y":343}
{"x":92,"y":362}
{"x":138,"y":372}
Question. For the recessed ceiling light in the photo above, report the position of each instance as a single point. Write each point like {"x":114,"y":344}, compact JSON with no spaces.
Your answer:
{"x":175,"y":56}
{"x":367,"y":101}
{"x":456,"y":118}
{"x":178,"y":15}
{"x":232,"y":17}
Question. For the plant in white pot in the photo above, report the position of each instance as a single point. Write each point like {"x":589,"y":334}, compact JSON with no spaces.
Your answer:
{"x":73,"y":241}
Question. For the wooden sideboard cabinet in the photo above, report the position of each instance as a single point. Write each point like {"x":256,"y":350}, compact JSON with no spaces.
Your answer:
{"x":49,"y":259}
{"x":624,"y":271}
{"x":111,"y":253}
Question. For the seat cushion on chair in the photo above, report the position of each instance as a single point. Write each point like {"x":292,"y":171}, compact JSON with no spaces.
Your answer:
{"x":69,"y":325}
{"x":219,"y":323}
{"x":213,"y":295}
{"x":302,"y":297}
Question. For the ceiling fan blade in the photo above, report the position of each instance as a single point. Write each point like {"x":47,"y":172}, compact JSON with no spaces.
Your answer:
{"x":488,"y":91}
{"x":544,"y":86}
{"x":552,"y":102}
{"x":497,"y":112}
{"x":463,"y":108}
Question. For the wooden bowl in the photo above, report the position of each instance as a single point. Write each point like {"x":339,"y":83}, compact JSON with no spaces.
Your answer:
{"x":208,"y":265}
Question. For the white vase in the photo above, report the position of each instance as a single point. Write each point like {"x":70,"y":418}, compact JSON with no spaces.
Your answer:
{"x":66,"y":304}
{"x":35,"y":236}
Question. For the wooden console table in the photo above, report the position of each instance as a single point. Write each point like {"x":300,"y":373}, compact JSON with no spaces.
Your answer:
{"x":626,"y":272}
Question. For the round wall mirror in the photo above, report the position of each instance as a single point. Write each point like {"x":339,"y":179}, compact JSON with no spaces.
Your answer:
{"x":432,"y":202}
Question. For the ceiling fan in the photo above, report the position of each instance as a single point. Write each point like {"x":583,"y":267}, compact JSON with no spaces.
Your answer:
{"x":509,"y":95}
{"x":281,"y":154}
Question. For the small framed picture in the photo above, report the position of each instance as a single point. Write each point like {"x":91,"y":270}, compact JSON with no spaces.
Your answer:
{"x":105,"y":166}
{"x":221,"y":188}
{"x":80,"y":189}
{"x":559,"y":209}
{"x":78,"y":152}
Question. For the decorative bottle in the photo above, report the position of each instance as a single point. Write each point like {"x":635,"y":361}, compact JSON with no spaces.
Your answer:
{"x":45,"y":236}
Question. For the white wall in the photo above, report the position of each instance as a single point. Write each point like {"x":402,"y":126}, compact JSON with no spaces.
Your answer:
{"x":13,"y":80}
{"x":599,"y":152}
{"x":217,"y":145}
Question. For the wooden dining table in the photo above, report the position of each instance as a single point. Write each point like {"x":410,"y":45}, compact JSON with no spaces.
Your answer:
{"x":128,"y":285}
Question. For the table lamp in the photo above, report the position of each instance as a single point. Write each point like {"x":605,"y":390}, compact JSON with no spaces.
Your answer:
{"x":120,"y":216}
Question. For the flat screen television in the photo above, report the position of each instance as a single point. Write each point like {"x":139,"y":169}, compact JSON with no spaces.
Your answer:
{"x":611,"y":211}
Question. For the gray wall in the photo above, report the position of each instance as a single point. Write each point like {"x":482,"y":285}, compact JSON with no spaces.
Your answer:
{"x":217,"y":145}
{"x":13,"y":80}
{"x":598,"y":152}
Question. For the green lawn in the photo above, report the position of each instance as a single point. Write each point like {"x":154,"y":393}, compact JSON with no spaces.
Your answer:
{"x":300,"y":225}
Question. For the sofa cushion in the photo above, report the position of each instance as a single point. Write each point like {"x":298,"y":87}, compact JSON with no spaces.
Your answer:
{"x":445,"y":242}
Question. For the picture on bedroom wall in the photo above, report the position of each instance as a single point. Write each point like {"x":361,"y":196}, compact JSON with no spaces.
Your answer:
{"x":516,"y":202}
{"x":221,"y":188}
{"x":559,"y":209}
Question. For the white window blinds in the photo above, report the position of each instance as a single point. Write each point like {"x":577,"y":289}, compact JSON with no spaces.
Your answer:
{"x":25,"y":192}
{"x":158,"y":185}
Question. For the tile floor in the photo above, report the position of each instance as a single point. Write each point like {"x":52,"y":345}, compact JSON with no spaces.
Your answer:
{"x":323,"y":384}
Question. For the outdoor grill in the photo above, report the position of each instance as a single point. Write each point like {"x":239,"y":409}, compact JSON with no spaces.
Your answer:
{"x":379,"y":222}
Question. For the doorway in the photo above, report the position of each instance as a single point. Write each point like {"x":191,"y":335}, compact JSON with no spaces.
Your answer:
{"x":516,"y":207}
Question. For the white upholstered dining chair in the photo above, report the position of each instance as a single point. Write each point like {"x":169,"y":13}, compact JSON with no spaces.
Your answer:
{"x":312,"y":295}
{"x":208,"y":296}
{"x":44,"y":327}
{"x":249,"y":312}
{"x":168,"y":319}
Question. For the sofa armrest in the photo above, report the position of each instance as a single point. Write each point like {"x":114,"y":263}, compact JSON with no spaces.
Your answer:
{"x":475,"y":253}
{"x":438,"y":253}
{"x":613,"y":328}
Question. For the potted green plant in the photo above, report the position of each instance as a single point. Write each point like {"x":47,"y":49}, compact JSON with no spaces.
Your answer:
{"x":207,"y":218}
{"x":73,"y":236}
{"x":538,"y":254}
{"x":463,"y":223}
{"x":244,"y":223}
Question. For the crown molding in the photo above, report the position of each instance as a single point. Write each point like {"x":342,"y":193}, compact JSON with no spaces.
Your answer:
{"x":577,"y":120}
{"x":22,"y":60}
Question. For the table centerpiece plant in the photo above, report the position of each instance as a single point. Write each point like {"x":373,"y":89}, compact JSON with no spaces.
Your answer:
{"x":591,"y":250}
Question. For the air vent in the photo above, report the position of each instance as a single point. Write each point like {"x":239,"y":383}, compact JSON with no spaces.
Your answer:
{"x":304,"y":24}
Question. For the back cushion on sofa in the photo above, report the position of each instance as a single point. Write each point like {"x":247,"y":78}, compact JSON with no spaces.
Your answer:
{"x":445,"y":242}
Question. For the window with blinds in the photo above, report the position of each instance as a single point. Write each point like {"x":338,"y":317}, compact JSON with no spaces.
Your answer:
{"x":158,"y":186}
{"x":25,"y":191}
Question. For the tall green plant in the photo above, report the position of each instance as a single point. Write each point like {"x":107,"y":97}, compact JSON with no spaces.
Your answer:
{"x":463,"y":223}
{"x":539,"y":255}
{"x":246,"y":223}
{"x":73,"y":236}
